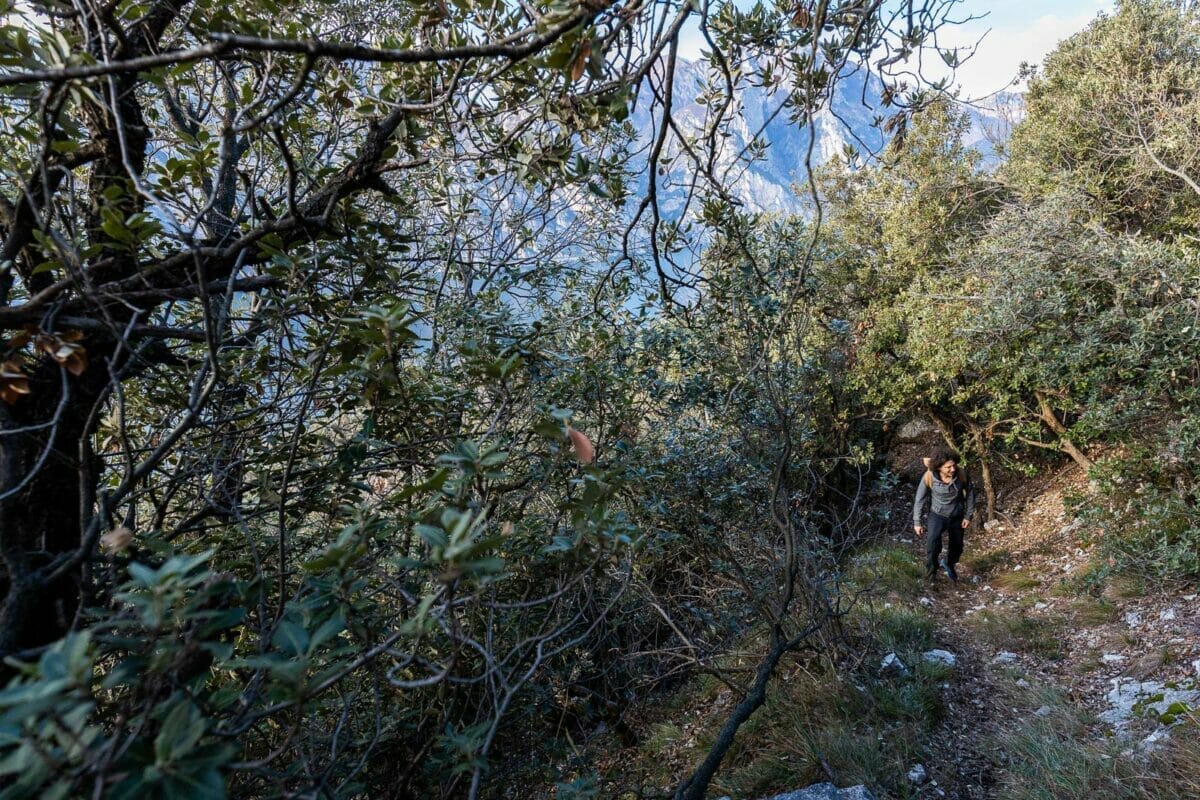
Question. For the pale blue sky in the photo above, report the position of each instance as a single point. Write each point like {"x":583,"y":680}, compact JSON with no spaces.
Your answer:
{"x":1017,"y":31}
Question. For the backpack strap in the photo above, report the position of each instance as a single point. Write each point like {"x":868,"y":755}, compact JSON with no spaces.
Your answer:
{"x":928,"y":479}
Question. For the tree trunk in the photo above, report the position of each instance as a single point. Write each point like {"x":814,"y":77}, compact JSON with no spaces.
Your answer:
{"x":985,"y":471}
{"x":49,"y":478}
{"x":945,"y":428}
{"x":695,"y":787}
{"x":1046,"y":412}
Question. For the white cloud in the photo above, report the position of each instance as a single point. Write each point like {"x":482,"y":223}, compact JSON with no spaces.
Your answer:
{"x":1002,"y":51}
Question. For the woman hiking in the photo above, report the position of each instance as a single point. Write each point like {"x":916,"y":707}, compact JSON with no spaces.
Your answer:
{"x":948,"y":493}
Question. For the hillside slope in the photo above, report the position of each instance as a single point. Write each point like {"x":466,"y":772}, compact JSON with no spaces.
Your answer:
{"x":1063,"y":686}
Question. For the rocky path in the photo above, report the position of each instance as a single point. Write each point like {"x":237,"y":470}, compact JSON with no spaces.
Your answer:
{"x":1023,"y":629}
{"x":961,"y":768}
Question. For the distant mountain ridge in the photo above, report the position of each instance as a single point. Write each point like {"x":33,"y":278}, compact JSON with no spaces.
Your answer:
{"x":774,"y":182}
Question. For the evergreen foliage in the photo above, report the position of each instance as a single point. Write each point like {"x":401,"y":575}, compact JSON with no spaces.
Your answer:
{"x":364,"y":419}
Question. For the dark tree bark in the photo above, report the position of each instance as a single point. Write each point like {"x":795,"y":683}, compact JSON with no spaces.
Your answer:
{"x":697,"y":785}
{"x":49,"y":477}
{"x":945,"y":427}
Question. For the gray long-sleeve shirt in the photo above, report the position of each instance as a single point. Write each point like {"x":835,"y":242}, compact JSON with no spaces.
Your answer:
{"x":944,"y":499}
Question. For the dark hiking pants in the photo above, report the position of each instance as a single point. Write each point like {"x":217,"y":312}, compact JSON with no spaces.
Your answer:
{"x":934,"y":526}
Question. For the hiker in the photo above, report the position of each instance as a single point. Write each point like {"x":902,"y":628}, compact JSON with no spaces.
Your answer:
{"x":948,"y":492}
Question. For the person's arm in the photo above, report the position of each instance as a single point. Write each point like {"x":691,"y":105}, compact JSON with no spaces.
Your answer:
{"x":919,"y":504}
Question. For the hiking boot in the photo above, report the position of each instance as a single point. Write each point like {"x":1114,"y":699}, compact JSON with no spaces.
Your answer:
{"x":950,"y":571}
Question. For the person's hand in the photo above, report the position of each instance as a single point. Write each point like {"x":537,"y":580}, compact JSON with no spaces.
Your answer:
{"x":919,"y":530}
{"x":966,"y":523}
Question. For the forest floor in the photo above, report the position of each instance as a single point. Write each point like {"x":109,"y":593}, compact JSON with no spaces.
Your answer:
{"x":1024,"y":714}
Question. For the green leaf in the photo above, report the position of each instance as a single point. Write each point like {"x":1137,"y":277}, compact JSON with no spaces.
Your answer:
{"x":180,"y":732}
{"x":291,"y":638}
{"x":114,"y":228}
{"x":435,"y":482}
{"x":328,"y":629}
{"x":434,"y":537}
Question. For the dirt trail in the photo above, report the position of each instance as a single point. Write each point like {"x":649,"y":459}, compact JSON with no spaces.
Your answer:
{"x":965,"y":764}
{"x":1018,"y":617}
{"x":1026,"y":631}
{"x":962,"y":768}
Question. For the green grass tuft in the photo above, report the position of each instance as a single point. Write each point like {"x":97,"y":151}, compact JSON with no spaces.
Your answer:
{"x":903,"y":631}
{"x":1052,"y":757}
{"x":909,"y":700}
{"x":662,"y":735}
{"x":1016,"y":581}
{"x":1014,"y":630}
{"x":890,"y":569}
{"x":1088,"y":611}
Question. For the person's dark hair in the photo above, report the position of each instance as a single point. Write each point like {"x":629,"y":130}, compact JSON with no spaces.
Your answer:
{"x":941,"y":456}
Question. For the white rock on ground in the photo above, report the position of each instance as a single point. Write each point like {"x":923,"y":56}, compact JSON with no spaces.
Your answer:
{"x":1044,"y":711}
{"x":827,"y":791}
{"x":926,"y":601}
{"x":1004,"y":657}
{"x":917,"y":774}
{"x":1112,"y":658}
{"x":892,"y":664}
{"x":940,"y":657}
{"x":1155,"y":741}
{"x":859,"y":792}
{"x":1126,"y":694}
